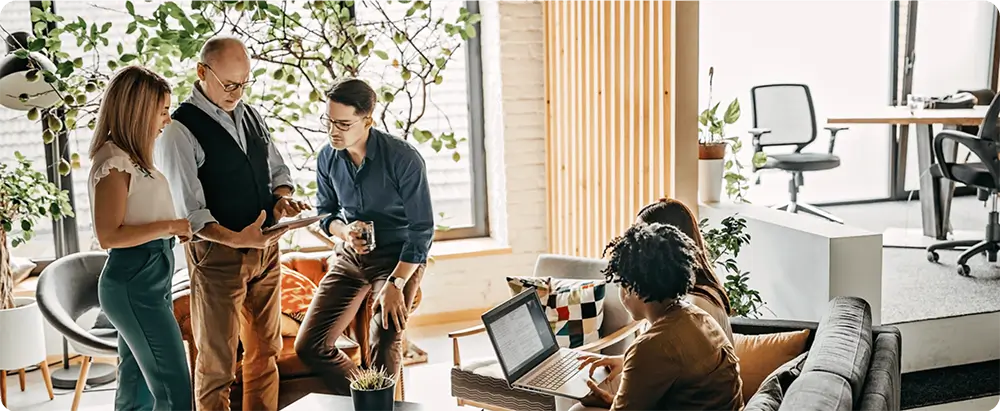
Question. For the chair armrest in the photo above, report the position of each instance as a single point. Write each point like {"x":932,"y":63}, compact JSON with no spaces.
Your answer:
{"x":757,"y":132}
{"x":833,"y":135}
{"x":613,"y":338}
{"x":455,"y":335}
{"x":985,"y":149}
{"x":467,"y":332}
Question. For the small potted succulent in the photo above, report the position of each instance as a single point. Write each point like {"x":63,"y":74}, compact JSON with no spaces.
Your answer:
{"x":373,"y":389}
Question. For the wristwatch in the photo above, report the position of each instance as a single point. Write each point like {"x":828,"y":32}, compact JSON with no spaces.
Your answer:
{"x":398,"y":282}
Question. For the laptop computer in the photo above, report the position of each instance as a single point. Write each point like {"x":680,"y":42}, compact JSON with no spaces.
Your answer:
{"x":529,"y":355}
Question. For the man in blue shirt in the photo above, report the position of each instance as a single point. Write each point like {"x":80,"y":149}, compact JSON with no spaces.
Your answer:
{"x":365,"y":175}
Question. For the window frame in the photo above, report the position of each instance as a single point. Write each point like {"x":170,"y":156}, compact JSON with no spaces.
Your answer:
{"x":65,"y":232}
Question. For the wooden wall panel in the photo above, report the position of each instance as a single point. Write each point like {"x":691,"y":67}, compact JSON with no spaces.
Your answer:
{"x":609,"y":74}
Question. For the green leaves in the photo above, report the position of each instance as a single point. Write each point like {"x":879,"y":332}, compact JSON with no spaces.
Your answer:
{"x":723,"y":245}
{"x":28,"y":196}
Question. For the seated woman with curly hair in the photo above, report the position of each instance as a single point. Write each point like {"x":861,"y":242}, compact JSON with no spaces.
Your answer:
{"x":684,"y":361}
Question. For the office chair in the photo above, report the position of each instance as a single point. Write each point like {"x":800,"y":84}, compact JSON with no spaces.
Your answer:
{"x":984,"y":175}
{"x":783,"y":115}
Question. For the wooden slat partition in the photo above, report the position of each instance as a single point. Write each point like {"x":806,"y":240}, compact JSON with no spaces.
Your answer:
{"x":609,"y":72}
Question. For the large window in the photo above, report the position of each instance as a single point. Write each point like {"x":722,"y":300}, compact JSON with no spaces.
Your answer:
{"x":954,"y":51}
{"x":840,"y":49}
{"x":457,"y":187}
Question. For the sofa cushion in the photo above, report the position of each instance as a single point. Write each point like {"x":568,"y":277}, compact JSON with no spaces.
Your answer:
{"x":882,"y":386}
{"x":843,"y":343}
{"x":482,"y":381}
{"x":772,"y":390}
{"x":761,"y":354}
{"x":817,"y":390}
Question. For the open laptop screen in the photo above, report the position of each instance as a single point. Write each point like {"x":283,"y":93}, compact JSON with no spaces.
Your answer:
{"x":520,"y":334}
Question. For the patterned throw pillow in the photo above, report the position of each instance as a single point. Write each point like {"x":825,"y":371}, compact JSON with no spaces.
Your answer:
{"x":574,"y":308}
{"x":297,"y":292}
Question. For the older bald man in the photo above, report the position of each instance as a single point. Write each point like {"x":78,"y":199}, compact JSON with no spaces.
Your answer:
{"x":228,"y":178}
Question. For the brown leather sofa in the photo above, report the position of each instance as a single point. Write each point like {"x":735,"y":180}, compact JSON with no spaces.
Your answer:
{"x":296,"y":380}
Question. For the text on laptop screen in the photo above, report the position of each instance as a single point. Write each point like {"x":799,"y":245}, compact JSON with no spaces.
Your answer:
{"x":520,"y":337}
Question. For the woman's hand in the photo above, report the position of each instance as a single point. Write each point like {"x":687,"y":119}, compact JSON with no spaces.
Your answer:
{"x":598,"y":396}
{"x":614,"y":363}
{"x":181,"y":228}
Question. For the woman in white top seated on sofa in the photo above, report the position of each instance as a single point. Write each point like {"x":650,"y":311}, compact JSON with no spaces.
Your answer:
{"x":134,"y":219}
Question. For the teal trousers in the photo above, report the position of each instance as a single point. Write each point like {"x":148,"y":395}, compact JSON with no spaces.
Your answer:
{"x":134,"y":292}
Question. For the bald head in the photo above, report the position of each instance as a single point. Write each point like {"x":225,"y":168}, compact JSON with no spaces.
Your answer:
{"x":224,"y":71}
{"x":223,"y":48}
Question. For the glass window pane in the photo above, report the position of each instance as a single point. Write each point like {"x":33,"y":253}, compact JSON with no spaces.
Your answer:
{"x":753,"y":43}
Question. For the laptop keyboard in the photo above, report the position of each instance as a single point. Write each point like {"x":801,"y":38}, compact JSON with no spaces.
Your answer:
{"x":558,"y":373}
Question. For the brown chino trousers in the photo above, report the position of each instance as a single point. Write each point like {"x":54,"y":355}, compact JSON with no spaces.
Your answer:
{"x":338,"y":298}
{"x":235,"y":293}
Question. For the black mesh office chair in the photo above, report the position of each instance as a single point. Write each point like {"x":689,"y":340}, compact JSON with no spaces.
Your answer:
{"x":984,"y":175}
{"x":783,"y":115}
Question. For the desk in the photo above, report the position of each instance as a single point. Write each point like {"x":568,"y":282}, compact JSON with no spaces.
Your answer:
{"x":315,"y":401}
{"x":935,"y":194}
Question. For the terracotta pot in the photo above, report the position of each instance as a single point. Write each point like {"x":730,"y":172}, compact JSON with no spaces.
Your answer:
{"x":711,"y":151}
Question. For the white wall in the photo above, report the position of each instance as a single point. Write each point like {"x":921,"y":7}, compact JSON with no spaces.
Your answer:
{"x":514,"y":98}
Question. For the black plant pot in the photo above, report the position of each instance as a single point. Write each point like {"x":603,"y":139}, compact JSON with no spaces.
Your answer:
{"x":374,"y":400}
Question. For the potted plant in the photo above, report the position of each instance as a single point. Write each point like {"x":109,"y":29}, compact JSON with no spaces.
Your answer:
{"x":712,"y":145}
{"x":26,"y":195}
{"x":724,"y":244}
{"x":373,"y":389}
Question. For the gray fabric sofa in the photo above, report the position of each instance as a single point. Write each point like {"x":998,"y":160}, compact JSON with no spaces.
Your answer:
{"x":850,"y":365}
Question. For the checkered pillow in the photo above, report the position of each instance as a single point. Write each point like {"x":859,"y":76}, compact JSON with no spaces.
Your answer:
{"x":574,"y":308}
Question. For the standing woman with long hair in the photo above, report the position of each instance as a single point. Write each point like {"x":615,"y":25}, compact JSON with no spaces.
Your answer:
{"x":134,"y":218}
{"x":707,"y":292}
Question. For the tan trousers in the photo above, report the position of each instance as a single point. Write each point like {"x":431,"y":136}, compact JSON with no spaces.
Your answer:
{"x":235,"y":293}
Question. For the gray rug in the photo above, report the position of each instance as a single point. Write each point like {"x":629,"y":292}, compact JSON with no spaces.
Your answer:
{"x":914,"y":289}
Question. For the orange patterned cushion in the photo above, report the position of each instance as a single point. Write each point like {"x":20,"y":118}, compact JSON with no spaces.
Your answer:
{"x":297,"y":292}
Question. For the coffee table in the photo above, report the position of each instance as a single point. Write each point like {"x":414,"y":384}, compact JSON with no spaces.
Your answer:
{"x":315,"y":401}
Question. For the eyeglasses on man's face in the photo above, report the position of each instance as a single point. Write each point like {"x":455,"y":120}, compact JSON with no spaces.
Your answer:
{"x":340,"y":125}
{"x":231,"y":87}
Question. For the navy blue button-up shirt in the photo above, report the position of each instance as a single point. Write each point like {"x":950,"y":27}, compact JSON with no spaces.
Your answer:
{"x":389,"y":189}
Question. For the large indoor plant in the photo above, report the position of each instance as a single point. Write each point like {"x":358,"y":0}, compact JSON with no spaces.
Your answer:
{"x":298,"y":49}
{"x":26,"y":196}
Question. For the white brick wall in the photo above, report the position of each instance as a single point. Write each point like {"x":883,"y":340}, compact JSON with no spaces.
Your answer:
{"x":514,"y":103}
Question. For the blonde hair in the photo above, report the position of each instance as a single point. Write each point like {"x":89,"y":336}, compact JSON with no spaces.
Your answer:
{"x":129,"y":113}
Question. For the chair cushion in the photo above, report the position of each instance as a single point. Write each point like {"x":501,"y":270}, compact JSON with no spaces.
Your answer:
{"x":482,"y":381}
{"x":802,"y":161}
{"x":760,"y":355}
{"x":973,"y":174}
{"x":574,"y":308}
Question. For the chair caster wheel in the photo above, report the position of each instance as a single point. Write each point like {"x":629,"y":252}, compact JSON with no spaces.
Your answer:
{"x":933,"y":256}
{"x":963,"y":270}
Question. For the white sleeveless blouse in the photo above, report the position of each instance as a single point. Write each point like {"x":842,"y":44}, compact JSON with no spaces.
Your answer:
{"x":149,"y":199}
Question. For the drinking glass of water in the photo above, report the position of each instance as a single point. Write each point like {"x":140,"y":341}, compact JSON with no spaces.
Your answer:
{"x":915,"y":103}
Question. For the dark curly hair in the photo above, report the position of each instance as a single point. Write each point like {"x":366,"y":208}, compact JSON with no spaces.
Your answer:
{"x":676,"y":213}
{"x":655,"y":261}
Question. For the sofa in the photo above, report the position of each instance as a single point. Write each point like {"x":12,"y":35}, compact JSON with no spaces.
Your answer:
{"x":850,"y":365}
